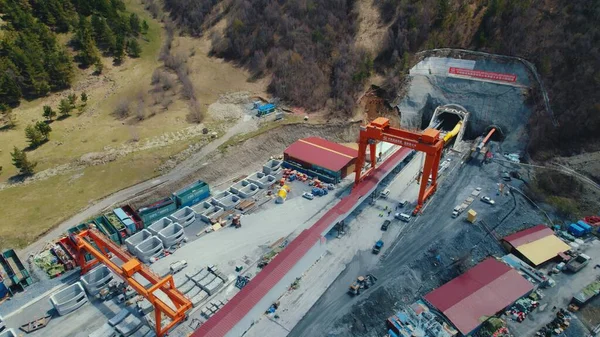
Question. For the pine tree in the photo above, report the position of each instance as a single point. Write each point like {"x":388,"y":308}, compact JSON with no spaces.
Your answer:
{"x":88,"y":52}
{"x":145,"y":27}
{"x":119,"y":52}
{"x":84,"y":97}
{"x":133,"y":48}
{"x":48,"y":113}
{"x":34,"y":136}
{"x":44,"y":128}
{"x":7,"y":116}
{"x":98,"y":67}
{"x":72,"y":100}
{"x":20,"y":161}
{"x":64,"y":107}
{"x":134,"y":24}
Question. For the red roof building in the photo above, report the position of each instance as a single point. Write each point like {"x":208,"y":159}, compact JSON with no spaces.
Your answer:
{"x":321,"y":155}
{"x":484,"y":290}
{"x":528,"y":235}
{"x":244,"y":302}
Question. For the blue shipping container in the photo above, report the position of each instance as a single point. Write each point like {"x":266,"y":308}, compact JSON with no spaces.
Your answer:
{"x":575,"y":230}
{"x":587,"y":228}
{"x":3,"y":290}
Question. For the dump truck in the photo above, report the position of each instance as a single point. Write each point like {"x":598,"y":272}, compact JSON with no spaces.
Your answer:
{"x":362,"y":282}
{"x":576,"y":264}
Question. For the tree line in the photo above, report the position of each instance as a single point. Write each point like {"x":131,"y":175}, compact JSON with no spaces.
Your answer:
{"x":32,"y":61}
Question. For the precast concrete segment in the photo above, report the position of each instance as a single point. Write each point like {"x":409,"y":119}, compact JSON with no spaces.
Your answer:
{"x":185,"y":216}
{"x":136,"y":239}
{"x":8,"y":333}
{"x":213,"y":286}
{"x":261,"y":180}
{"x":228,"y":202}
{"x":96,"y":279}
{"x":142,"y":331}
{"x":198,"y":277}
{"x":119,"y":317}
{"x":207,"y":211}
{"x":148,"y":249}
{"x":196,"y":300}
{"x":129,"y":325}
{"x":159,"y":225}
{"x":69,"y":299}
{"x":171,"y":235}
{"x":272,"y":167}
{"x":104,"y":331}
{"x":244,"y":189}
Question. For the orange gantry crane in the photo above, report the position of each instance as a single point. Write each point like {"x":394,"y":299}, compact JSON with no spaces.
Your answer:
{"x":428,"y":141}
{"x":132,"y":266}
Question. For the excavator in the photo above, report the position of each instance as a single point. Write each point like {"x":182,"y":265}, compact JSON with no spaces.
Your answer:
{"x":362,"y":282}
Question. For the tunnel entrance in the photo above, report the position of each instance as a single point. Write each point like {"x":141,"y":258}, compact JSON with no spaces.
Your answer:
{"x":448,"y":121}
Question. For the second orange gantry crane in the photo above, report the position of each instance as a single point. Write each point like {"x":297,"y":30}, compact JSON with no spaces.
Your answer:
{"x":428,"y":142}
{"x":131,"y":267}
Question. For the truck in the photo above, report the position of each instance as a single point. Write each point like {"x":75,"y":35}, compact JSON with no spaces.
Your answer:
{"x":576,"y":264}
{"x":459,"y":209}
{"x":377,"y":247}
{"x":177,"y":266}
{"x":362,"y":282}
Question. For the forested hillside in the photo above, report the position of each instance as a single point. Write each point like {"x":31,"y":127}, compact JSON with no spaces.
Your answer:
{"x":308,"y":48}
{"x":32,"y":60}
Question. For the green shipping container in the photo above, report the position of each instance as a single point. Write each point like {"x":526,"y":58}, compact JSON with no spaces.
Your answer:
{"x":192,"y":194}
{"x":157,"y":210}
{"x":107,"y":229}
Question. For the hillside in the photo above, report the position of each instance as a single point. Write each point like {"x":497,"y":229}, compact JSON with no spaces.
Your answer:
{"x":320,"y":53}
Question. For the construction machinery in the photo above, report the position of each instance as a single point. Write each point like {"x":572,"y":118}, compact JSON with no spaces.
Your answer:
{"x":103,"y":249}
{"x":236,"y":222}
{"x":362,"y":282}
{"x":427,"y":141}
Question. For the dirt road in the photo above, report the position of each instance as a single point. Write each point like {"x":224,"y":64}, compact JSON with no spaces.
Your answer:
{"x":180,"y":171}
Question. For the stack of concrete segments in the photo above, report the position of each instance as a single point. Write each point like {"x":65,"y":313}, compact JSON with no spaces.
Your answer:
{"x":69,"y":299}
{"x":207,"y":211}
{"x":150,"y":248}
{"x":226,"y":200}
{"x":104,"y":331}
{"x":96,"y":279}
{"x":172,"y":235}
{"x":8,"y":333}
{"x":159,"y":225}
{"x":261,"y":180}
{"x":143,"y":332}
{"x":144,"y":306}
{"x":244,"y":189}
{"x":136,"y":239}
{"x":272,"y":167}
{"x":129,"y":326}
{"x":208,"y":281}
{"x":185,"y":216}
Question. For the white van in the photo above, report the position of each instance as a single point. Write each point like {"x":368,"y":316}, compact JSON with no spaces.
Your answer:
{"x":403,"y":216}
{"x":384,"y":194}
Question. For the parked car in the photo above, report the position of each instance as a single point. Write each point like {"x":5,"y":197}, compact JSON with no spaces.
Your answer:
{"x":177,"y":266}
{"x":506,"y":176}
{"x":384,"y":194}
{"x":377,"y":247}
{"x":385,"y":225}
{"x":488,"y":200}
{"x":402,"y":203}
{"x":403,"y":216}
{"x":308,"y":196}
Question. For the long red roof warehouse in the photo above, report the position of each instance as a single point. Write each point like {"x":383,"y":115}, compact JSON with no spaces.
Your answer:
{"x":529,"y":235}
{"x":321,"y":152}
{"x":241,"y":304}
{"x":481,"y":292}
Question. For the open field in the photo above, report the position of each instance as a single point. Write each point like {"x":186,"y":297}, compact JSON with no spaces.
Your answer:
{"x":106,"y":154}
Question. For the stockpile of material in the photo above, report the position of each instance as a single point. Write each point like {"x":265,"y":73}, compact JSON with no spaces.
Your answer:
{"x":49,"y":263}
{"x":522,"y":308}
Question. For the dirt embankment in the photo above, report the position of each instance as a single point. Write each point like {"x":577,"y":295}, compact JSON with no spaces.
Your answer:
{"x":249,"y":156}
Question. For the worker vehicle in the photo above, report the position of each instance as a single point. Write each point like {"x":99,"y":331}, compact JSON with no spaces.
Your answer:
{"x":308,"y":196}
{"x":459,"y":209}
{"x":506,"y":176}
{"x":362,"y":282}
{"x":384,"y":194}
{"x":402,"y":216}
{"x":385,"y":225}
{"x":177,"y":266}
{"x":488,"y":200}
{"x":377,"y":247}
{"x":577,"y":263}
{"x":402,"y":203}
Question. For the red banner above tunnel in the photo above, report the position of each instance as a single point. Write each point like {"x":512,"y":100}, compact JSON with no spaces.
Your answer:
{"x":488,"y":75}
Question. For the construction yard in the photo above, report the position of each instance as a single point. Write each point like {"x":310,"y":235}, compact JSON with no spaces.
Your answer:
{"x":262,"y":231}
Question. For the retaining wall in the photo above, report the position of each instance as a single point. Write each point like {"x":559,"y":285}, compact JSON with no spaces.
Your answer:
{"x":152,"y":247}
{"x":96,"y":279}
{"x":69,"y":299}
{"x":172,"y":235}
{"x":185,"y":216}
{"x":136,"y":239}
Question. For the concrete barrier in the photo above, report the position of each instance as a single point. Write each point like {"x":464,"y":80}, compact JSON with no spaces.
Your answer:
{"x":272,"y":167}
{"x":261,"y":180}
{"x":69,"y":299}
{"x":136,"y":239}
{"x":159,"y":225}
{"x":185,"y":216}
{"x":96,"y":279}
{"x":172,"y":235}
{"x":148,"y":249}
